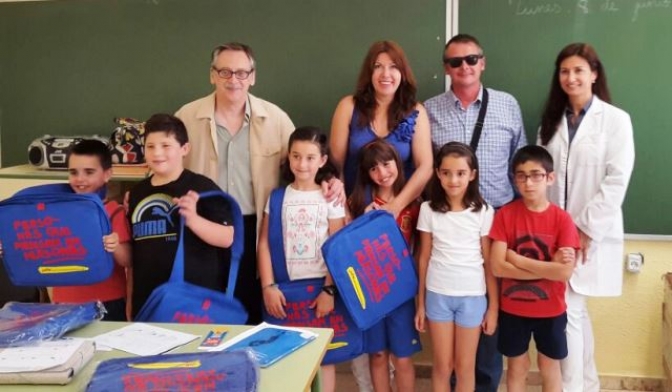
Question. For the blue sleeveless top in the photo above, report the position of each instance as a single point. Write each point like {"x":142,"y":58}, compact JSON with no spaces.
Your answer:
{"x":400,"y":137}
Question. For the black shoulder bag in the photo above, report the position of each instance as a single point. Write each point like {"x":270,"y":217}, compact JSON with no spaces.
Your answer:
{"x":476,"y":136}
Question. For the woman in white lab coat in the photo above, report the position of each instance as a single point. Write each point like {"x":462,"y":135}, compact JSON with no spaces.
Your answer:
{"x":592,"y":146}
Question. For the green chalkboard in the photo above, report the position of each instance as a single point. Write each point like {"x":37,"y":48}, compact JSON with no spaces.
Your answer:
{"x":521,"y":39}
{"x":71,"y":66}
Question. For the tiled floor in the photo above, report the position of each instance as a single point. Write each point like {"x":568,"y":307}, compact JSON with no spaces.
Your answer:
{"x":346,"y":382}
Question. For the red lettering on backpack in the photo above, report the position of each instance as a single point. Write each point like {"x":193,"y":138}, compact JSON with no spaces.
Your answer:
{"x":190,"y":318}
{"x":180,"y":380}
{"x":378,"y":265}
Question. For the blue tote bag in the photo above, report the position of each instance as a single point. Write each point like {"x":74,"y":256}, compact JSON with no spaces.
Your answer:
{"x":52,"y":236}
{"x":214,"y":371}
{"x":178,"y":301}
{"x":372,"y":267}
{"x":347,"y":342}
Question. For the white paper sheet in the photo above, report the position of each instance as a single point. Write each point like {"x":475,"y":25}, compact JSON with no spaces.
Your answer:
{"x":44,"y":355}
{"x":144,"y":339}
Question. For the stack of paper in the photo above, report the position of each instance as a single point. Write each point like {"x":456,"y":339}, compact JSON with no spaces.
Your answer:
{"x":144,"y":339}
{"x":47,"y":362}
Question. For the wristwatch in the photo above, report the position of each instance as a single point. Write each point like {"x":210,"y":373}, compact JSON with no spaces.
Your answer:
{"x":329,"y":289}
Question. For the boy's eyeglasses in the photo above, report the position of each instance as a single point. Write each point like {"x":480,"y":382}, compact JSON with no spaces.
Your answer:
{"x":456,"y":62}
{"x":226,"y":73}
{"x":535,"y":177}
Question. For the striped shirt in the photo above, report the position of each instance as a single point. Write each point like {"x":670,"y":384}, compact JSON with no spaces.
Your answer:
{"x":503,"y":134}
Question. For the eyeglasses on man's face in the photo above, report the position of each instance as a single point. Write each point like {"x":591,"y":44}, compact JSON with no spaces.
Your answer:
{"x":455,"y":62}
{"x":226,"y":73}
{"x":534,"y":176}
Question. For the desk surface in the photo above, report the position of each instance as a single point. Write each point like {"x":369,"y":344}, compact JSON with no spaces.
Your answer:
{"x":119,"y":173}
{"x":293,"y":373}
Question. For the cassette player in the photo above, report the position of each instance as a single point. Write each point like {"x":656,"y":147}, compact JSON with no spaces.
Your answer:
{"x":51,"y":152}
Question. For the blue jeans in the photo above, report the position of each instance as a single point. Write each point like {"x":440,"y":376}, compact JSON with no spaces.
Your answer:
{"x":489,"y":364}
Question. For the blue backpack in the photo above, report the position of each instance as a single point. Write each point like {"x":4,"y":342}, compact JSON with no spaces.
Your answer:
{"x":372,"y":267}
{"x":52,"y":236}
{"x":347,"y":342}
{"x":213,"y":371}
{"x":178,"y":301}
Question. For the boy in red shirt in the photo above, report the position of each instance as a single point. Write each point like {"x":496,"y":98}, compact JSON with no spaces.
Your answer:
{"x":533,"y":251}
{"x":89,"y":170}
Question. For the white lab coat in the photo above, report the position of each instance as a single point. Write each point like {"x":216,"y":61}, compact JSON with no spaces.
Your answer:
{"x":596,"y":170}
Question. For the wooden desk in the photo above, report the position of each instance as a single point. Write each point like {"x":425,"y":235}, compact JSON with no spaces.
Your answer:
{"x":297,"y":372}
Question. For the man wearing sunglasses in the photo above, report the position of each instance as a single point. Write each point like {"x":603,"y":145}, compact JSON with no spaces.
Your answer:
{"x":453,"y":116}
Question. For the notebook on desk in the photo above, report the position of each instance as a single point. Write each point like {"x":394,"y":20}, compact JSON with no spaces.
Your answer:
{"x":268,"y":343}
{"x":50,"y":362}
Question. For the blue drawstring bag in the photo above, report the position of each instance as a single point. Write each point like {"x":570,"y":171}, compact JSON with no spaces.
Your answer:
{"x":234,"y":371}
{"x":178,"y":301}
{"x":24,"y":324}
{"x":348,"y":339}
{"x":52,"y":236}
{"x":372,"y":267}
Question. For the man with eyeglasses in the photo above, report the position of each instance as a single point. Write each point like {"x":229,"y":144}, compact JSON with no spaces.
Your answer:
{"x":239,"y":141}
{"x":453,"y":116}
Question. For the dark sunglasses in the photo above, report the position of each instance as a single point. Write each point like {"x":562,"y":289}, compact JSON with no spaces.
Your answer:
{"x":455,"y":62}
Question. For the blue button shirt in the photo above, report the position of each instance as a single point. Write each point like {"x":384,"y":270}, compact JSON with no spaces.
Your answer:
{"x":503,"y":134}
{"x":574,"y":123}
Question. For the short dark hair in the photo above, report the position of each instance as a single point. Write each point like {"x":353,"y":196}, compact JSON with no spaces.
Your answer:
{"x":235,"y":46}
{"x":169,"y":124}
{"x":93,"y":147}
{"x":316,"y":136}
{"x":464,"y":39}
{"x":533,"y":153}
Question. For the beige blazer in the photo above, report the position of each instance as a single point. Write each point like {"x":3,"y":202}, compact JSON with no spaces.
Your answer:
{"x":270,"y":128}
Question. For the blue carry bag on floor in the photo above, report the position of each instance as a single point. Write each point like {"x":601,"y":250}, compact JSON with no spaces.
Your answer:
{"x":372,"y":267}
{"x":347,"y":342}
{"x":52,"y":236}
{"x":215,"y":371}
{"x":178,"y":301}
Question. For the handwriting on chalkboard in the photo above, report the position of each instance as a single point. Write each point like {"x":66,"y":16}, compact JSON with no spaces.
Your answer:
{"x":44,"y":241}
{"x":649,"y":4}
{"x":636,"y":9}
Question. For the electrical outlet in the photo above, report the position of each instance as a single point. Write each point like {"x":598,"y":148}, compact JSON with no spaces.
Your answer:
{"x":634,"y":262}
